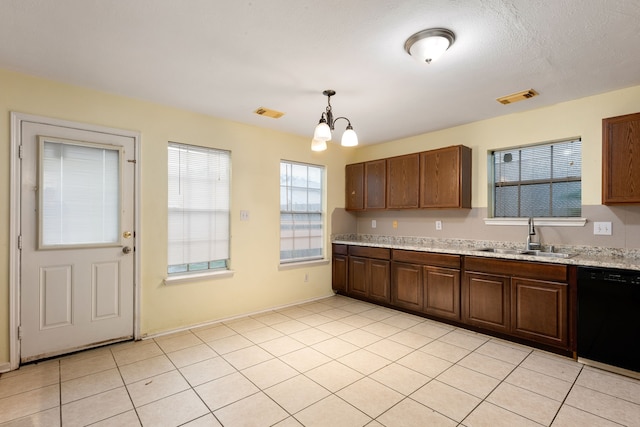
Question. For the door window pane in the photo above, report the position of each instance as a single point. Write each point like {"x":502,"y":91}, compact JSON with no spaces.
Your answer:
{"x":79,"y":193}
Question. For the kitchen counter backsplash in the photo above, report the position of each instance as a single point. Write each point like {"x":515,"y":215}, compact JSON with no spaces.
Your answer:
{"x":583,"y":255}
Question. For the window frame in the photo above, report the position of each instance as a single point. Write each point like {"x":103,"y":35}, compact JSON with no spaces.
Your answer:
{"x":321,"y":258}
{"x":220,"y":267}
{"x":562,"y":221}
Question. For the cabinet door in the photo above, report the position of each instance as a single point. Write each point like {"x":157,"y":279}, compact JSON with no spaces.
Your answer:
{"x":539,"y":311}
{"x":621,"y":159}
{"x":445,"y":178}
{"x":486,"y":301}
{"x":375,"y":180}
{"x":354,"y":187}
{"x":379,"y":278}
{"x":442,"y":292}
{"x":358,"y":276}
{"x":339,"y":273}
{"x":406,"y":285}
{"x":403,"y":181}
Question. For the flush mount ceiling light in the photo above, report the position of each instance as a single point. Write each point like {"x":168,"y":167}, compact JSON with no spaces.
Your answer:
{"x":322,"y":133}
{"x":429,"y":45}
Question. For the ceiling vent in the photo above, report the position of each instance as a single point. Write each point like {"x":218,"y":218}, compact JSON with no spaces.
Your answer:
{"x":518,"y":96}
{"x":266,"y":112}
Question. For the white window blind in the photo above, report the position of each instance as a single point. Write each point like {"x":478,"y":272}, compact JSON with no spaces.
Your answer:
{"x":80,"y":193}
{"x":199,"y":204}
{"x":301,"y":212}
{"x":543,"y":180}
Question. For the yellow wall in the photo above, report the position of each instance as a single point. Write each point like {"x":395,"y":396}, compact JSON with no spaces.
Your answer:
{"x":256,"y":152}
{"x":257,"y":283}
{"x":581,"y":117}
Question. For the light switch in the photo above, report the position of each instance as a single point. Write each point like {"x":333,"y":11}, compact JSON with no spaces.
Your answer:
{"x":602,"y":228}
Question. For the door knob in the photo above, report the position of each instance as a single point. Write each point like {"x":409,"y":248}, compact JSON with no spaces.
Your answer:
{"x":126,"y":249}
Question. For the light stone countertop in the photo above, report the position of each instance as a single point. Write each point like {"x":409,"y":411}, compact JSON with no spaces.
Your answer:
{"x":587,"y":256}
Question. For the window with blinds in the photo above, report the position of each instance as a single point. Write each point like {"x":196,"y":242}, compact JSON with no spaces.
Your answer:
{"x":301,"y":212}
{"x":538,"y":181}
{"x":199,"y":208}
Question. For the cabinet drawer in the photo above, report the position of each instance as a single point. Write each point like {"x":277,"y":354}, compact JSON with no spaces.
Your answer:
{"x":533,"y":270}
{"x":340,"y":249}
{"x":369,"y":252}
{"x":416,"y":257}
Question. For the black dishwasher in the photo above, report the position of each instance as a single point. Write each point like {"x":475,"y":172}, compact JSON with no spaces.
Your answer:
{"x":609,"y":317}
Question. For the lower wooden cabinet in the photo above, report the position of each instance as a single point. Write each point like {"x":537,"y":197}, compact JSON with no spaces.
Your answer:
{"x":442,"y":292}
{"x":423,"y":285}
{"x":525,"y":307}
{"x":486,"y":301}
{"x":539,"y":310}
{"x":339,"y":273}
{"x":406,"y":282}
{"x":526,"y":300}
{"x":369,"y":273}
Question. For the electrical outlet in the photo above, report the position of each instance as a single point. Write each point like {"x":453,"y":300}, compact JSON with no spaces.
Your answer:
{"x":244,"y":215}
{"x":373,"y":223}
{"x":438,"y":225}
{"x":602,"y":228}
{"x":395,"y":224}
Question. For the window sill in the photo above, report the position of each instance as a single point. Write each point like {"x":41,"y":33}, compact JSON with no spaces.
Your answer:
{"x":553,"y":222}
{"x":294,"y":265}
{"x":192,"y":277}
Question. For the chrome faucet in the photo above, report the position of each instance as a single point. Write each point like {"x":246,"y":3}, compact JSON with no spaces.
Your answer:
{"x":532,"y":232}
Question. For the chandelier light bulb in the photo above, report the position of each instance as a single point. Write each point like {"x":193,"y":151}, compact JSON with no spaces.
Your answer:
{"x":349,"y":137}
{"x":322,"y":131}
{"x":318,"y":145}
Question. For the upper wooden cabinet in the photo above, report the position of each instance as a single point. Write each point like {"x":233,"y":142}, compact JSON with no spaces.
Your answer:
{"x":354,"y":178}
{"x":375,"y":181}
{"x":402,"y":181}
{"x":621,"y":159}
{"x":432,"y":179}
{"x":445,"y":178}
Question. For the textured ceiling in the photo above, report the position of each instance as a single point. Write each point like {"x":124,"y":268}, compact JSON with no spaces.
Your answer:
{"x":227,"y":58}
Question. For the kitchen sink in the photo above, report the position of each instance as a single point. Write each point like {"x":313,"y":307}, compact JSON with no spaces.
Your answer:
{"x":547,"y":254}
{"x":536,"y":253}
{"x":501,"y":251}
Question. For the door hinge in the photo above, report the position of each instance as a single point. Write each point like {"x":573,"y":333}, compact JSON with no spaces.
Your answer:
{"x":19,"y":332}
{"x":20,"y":151}
{"x":20,"y":242}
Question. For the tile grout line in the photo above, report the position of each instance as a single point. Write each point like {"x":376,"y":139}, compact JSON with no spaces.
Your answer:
{"x":124,"y":384}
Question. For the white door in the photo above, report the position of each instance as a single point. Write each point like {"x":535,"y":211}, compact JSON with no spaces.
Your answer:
{"x":77,"y":239}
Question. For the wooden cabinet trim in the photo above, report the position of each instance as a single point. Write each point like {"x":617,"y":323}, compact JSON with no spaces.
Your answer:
{"x":370,"y":252}
{"x":340,"y":249}
{"x":533,"y":270}
{"x":428,"y":258}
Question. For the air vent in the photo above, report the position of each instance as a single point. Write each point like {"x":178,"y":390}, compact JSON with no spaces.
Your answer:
{"x":519,"y":96}
{"x":268,"y":113}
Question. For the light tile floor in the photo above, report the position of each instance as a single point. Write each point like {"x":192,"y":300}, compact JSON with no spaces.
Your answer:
{"x":333,"y":362}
